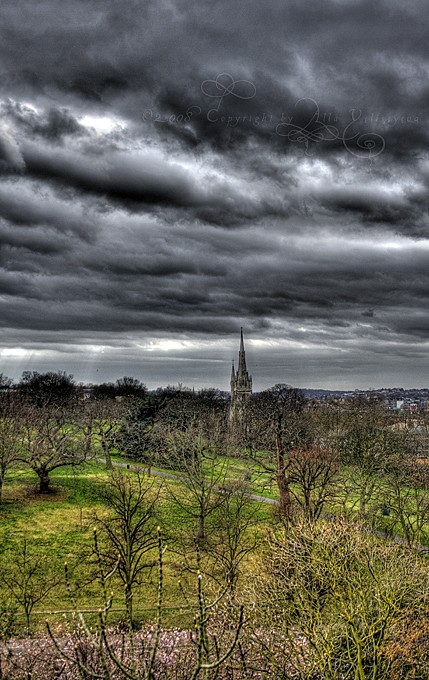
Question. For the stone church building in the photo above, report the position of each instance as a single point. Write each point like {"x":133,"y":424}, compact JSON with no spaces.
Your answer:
{"x":241,"y":383}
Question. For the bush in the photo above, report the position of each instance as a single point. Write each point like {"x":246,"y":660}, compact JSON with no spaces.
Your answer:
{"x":332,"y":595}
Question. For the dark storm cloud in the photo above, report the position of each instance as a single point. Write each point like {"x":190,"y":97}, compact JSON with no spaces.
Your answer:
{"x":39,"y":242}
{"x":127,"y":177}
{"x":172,"y":171}
{"x":56,"y":124}
{"x":24,"y":204}
{"x":206,"y":282}
{"x":134,"y":179}
{"x":372,"y":205}
{"x":341,"y":53}
{"x":10,"y":156}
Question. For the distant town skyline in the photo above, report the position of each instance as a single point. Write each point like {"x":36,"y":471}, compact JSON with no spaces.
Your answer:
{"x":173,"y":171}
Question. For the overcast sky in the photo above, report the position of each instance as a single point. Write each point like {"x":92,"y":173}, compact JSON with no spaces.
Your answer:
{"x":172,"y":170}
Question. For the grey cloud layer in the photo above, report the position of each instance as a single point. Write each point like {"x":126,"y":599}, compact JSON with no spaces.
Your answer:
{"x":216,"y":198}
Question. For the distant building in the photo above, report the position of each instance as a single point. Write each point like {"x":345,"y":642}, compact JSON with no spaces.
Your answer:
{"x":241,"y":383}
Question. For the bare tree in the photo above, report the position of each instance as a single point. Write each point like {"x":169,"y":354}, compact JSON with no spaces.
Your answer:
{"x":50,"y":438}
{"x":10,"y":433}
{"x":102,"y":420}
{"x":100,"y":655}
{"x":30,"y":580}
{"x":190,"y":435}
{"x":276,"y":424}
{"x":234,"y":533}
{"x":369,"y":450}
{"x":134,"y":437}
{"x":129,"y":531}
{"x":129,"y":387}
{"x":329,"y":598}
{"x":201,"y":473}
{"x":406,"y":502}
{"x":312,"y":472}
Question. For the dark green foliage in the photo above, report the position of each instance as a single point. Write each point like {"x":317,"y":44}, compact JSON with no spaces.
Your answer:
{"x":124,"y":387}
{"x":130,"y":387}
{"x":103,"y":391}
{"x":154,"y":422}
{"x":133,"y":437}
{"x":49,"y":389}
{"x":5,"y":382}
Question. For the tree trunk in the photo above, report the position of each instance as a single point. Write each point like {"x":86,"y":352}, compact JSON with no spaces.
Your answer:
{"x":44,"y":481}
{"x":27,"y":611}
{"x":2,"y":475}
{"x":365,"y":494}
{"x":284,"y":494}
{"x":282,"y":483}
{"x":129,"y":603}
{"x":104,"y":446}
{"x":362,"y":504}
{"x":201,"y":530}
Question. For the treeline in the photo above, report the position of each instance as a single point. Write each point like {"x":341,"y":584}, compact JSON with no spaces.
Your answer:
{"x":47,"y":421}
{"x":354,"y":459}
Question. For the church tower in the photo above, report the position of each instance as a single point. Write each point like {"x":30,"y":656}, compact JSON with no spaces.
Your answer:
{"x":241,"y":383}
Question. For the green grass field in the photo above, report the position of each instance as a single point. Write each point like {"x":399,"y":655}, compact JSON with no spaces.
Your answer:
{"x":58,"y":528}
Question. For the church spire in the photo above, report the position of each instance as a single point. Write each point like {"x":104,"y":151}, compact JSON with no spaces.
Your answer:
{"x":241,"y":383}
{"x":242,"y":371}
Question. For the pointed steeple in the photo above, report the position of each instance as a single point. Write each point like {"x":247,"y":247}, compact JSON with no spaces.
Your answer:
{"x":232,"y":371}
{"x":241,"y":383}
{"x":241,"y":358}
